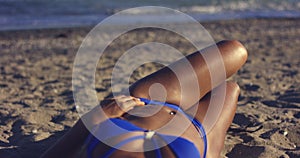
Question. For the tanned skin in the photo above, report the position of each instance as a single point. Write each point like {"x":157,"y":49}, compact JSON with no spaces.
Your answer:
{"x":233,"y":54}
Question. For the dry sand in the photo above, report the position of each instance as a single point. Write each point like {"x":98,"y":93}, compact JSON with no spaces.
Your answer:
{"x":37,"y":107}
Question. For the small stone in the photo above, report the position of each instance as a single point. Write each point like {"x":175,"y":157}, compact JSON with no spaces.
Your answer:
{"x":285,"y":133}
{"x":41,"y":136}
{"x":34,"y":131}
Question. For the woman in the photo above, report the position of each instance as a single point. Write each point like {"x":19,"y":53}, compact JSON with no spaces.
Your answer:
{"x":125,"y":111}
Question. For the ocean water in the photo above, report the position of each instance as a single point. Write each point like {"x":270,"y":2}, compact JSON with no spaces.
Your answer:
{"x":30,"y":14}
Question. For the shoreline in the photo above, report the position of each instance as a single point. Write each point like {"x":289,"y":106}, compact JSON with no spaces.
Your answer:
{"x":92,"y":20}
{"x":37,"y":105}
{"x":89,"y":27}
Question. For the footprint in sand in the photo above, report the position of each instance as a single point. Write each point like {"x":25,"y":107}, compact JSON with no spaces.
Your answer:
{"x":244,"y":151}
{"x":290,"y":99}
{"x":291,"y":96}
{"x":246,"y":123}
{"x":286,"y":139}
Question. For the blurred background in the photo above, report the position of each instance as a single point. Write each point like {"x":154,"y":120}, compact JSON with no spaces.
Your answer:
{"x":26,"y":14}
{"x":39,"y":40}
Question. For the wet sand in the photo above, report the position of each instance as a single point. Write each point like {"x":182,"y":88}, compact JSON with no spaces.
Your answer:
{"x":37,"y":106}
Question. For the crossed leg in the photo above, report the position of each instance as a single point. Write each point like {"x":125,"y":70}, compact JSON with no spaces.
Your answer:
{"x":233,"y":56}
{"x":217,"y":121}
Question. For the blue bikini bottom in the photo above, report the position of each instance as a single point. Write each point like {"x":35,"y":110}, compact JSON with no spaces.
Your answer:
{"x":181,"y":148}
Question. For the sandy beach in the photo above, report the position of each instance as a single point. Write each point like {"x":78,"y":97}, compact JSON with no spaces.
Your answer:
{"x":36,"y":98}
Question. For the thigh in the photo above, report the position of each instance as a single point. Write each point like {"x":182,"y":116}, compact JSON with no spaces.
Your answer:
{"x":166,"y":83}
{"x":209,"y":111}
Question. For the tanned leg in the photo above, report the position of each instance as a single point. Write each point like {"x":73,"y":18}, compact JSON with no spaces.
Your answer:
{"x":233,"y":54}
{"x":217,"y":125}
